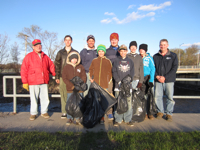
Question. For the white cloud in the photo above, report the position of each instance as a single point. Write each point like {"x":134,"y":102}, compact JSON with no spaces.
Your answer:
{"x":130,"y":17}
{"x":152,"y":19}
{"x":130,"y":6}
{"x":106,"y":21}
{"x":187,"y":45}
{"x":153,"y":7}
{"x":109,"y":14}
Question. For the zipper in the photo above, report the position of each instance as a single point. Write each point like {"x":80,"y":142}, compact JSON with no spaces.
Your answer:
{"x":100,"y":71}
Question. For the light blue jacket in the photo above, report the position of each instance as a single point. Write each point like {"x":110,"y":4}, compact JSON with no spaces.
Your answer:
{"x":149,"y":67}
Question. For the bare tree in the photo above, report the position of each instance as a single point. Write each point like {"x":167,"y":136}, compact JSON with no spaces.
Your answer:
{"x":3,"y":50}
{"x":49,"y":39}
{"x":15,"y":56}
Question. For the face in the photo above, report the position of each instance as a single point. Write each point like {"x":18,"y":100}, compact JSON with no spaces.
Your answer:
{"x":74,"y":61}
{"x":114,"y":42}
{"x":68,"y":41}
{"x":163,"y":46}
{"x":101,"y":53}
{"x":37,"y":48}
{"x":133,"y":48}
{"x":123,"y":53}
{"x":142,"y":52}
{"x":90,"y":43}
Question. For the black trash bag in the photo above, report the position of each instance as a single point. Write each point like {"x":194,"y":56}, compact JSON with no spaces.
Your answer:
{"x":126,"y":86}
{"x":79,"y":84}
{"x":124,"y":93}
{"x":72,"y":106}
{"x":151,"y":105}
{"x":139,"y":106}
{"x":122,"y":104}
{"x":145,"y":85}
{"x":96,"y":103}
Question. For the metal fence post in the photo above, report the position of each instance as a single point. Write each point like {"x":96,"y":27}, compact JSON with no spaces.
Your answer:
{"x":14,"y":96}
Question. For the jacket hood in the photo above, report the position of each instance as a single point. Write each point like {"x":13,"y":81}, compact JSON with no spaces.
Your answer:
{"x":78,"y":62}
{"x":87,"y":48}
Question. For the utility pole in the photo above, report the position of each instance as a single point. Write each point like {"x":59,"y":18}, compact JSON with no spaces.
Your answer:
{"x":25,"y":43}
{"x":179,"y":57}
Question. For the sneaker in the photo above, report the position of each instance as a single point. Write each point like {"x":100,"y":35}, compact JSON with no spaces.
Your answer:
{"x":169,"y":118}
{"x":32,"y":117}
{"x":146,"y":117}
{"x":102,"y":120}
{"x":46,"y":115}
{"x":117,"y":124}
{"x":110,"y":117}
{"x":77,"y":122}
{"x":151,"y":117}
{"x":159,"y":115}
{"x":64,"y":116}
{"x":130,"y":123}
{"x":69,"y":121}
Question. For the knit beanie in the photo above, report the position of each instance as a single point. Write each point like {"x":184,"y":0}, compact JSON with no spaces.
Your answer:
{"x":114,"y":36}
{"x":101,"y":47}
{"x":133,"y":43}
{"x":144,"y":47}
{"x":73,"y":56}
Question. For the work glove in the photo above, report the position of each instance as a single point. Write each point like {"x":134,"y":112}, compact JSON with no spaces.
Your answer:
{"x":25,"y":86}
{"x":139,"y":86}
{"x":150,"y":84}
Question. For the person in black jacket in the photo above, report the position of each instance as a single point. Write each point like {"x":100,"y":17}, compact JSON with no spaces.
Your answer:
{"x":60,"y":62}
{"x":123,"y":66}
{"x":166,"y":63}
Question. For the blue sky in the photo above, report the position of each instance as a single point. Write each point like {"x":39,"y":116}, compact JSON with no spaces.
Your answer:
{"x":145,"y":21}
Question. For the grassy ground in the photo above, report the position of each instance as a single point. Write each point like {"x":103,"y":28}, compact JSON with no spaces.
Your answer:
{"x":102,"y":140}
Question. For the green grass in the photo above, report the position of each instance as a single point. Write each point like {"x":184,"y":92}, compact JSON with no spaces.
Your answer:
{"x":101,"y":140}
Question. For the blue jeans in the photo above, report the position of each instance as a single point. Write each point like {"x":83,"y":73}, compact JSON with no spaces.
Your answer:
{"x":168,"y":88}
{"x":42,"y":92}
{"x":69,"y":116}
{"x":88,"y":84}
{"x":127,"y":116}
{"x":134,"y":83}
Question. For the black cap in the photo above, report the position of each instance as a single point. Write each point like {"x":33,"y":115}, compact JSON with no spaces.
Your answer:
{"x":144,"y":47}
{"x":133,"y":43}
{"x":73,"y":56}
{"x":90,"y":37}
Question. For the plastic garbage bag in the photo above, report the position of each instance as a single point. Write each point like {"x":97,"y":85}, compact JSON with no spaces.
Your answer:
{"x":139,"y":106}
{"x":151,"y":105}
{"x":96,"y":103}
{"x":124,"y":93}
{"x":72,"y":106}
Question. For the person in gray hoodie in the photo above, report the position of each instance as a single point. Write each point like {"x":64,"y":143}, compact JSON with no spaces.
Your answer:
{"x":87,"y":55}
{"x":138,"y":77}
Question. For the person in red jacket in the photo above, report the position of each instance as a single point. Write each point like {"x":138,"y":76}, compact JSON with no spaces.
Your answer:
{"x":35,"y":70}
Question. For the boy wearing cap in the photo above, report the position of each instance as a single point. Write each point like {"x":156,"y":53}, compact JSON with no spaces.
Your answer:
{"x":138,"y":65}
{"x":100,"y":70}
{"x":72,"y":68}
{"x":122,"y":67}
{"x":35,"y":70}
{"x":87,"y":55}
{"x":148,"y":67}
{"x":60,"y":62}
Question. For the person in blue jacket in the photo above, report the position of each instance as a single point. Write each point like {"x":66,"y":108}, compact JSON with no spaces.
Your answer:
{"x":148,"y":67}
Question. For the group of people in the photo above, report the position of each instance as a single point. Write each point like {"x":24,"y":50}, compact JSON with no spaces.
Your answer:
{"x":106,"y":67}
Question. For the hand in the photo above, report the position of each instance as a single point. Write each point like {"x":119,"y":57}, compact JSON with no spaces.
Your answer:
{"x":57,"y":81}
{"x":139,"y":85}
{"x":150,"y":84}
{"x":162,"y":79}
{"x":91,"y":80}
{"x":25,"y":86}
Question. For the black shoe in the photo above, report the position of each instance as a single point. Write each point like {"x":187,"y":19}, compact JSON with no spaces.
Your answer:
{"x":130,"y":123}
{"x":116,"y":124}
{"x":69,"y":121}
{"x":64,"y":116}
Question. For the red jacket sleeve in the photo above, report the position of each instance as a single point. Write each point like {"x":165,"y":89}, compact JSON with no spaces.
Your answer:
{"x":24,"y":70}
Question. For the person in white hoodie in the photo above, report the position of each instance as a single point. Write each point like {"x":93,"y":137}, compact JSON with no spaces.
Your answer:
{"x":87,"y":55}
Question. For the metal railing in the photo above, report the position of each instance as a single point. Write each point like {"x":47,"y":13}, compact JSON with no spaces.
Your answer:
{"x":15,"y":95}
